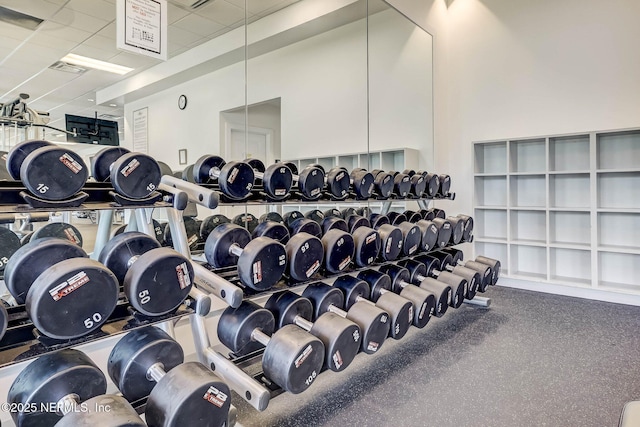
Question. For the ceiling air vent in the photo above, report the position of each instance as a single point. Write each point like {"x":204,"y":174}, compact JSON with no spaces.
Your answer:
{"x":20,"y":19}
{"x":67,"y":68}
{"x":109,"y":117}
{"x":199,"y":3}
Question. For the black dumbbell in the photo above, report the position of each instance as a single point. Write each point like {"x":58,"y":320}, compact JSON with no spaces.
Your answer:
{"x":192,"y":230}
{"x":356,"y":221}
{"x":340,"y":336}
{"x":347,"y":212}
{"x":457,"y":229}
{"x":362,"y":183}
{"x":445,"y":185}
{"x":211,"y":222}
{"x":423,"y":300}
{"x":400,"y":310}
{"x":391,"y":237}
{"x":165,"y":169}
{"x":310,"y":182}
{"x":396,"y":218}
{"x":292,"y":357}
{"x":372,"y":320}
{"x":411,"y":238}
{"x":467,"y":235}
{"x":4,"y":172}
{"x":418,"y":276}
{"x":401,"y":184}
{"x":261,"y":262}
{"x":315,"y":215}
{"x":428,"y":233}
{"x":48,"y":171}
{"x":459,"y":285}
{"x":156,"y":280}
{"x":412,"y":216}
{"x":305,"y":254}
{"x":382,"y":183}
{"x":417,"y":181}
{"x":66,"y":388}
{"x":337,"y":182}
{"x":276,"y":179}
{"x":432,"y":181}
{"x":490,"y":275}
{"x":133,"y":175}
{"x":332,"y":213}
{"x":334,"y":222}
{"x":444,"y":231}
{"x":393,"y":278}
{"x":437,"y":213}
{"x":9,"y":244}
{"x":292,"y":167}
{"x":235,"y":179}
{"x":297,"y":223}
{"x":246,"y":220}
{"x":339,"y":249}
{"x":59,"y":230}
{"x":148,"y":362}
{"x":66,"y":294}
{"x":474,"y":278}
{"x":367,"y":241}
{"x":272,"y":225}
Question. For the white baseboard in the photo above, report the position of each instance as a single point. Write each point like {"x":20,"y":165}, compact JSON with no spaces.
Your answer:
{"x":619,"y":297}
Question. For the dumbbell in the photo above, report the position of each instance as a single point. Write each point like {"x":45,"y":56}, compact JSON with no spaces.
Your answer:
{"x":417,"y":181}
{"x":367,"y":241}
{"x":158,"y":229}
{"x":315,"y":215}
{"x":467,"y":235}
{"x":192,"y":230}
{"x":339,"y":249}
{"x":165,"y":169}
{"x":9,"y":244}
{"x":332,"y":213}
{"x":411,"y":238}
{"x":472,"y":276}
{"x":393,"y":278}
{"x":48,"y":171}
{"x":261,"y":262}
{"x":4,"y":173}
{"x":297,"y":223}
{"x":209,"y":223}
{"x":362,"y":183}
{"x":276,"y":179}
{"x":309,"y":182}
{"x":246,"y":220}
{"x":428,"y":230}
{"x":337,"y":182}
{"x":373,"y":321}
{"x":417,"y":274}
{"x":305,"y":254}
{"x":401,"y":184}
{"x":148,"y":362}
{"x":60,"y":230}
{"x":272,"y":225}
{"x":292,"y":357}
{"x":333,"y":222}
{"x":66,"y":294}
{"x":400,"y":309}
{"x":235,"y":179}
{"x":340,"y":336}
{"x":457,"y":229}
{"x":490,"y":275}
{"x":432,"y":183}
{"x":412,"y":216}
{"x":396,"y":218}
{"x":156,"y":280}
{"x":445,"y":185}
{"x":391,"y":237}
{"x":133,"y":175}
{"x":382,"y":183}
{"x":435,"y":269}
{"x":65,"y":388}
{"x":356,"y":221}
{"x":436,"y":213}
{"x":444,"y":231}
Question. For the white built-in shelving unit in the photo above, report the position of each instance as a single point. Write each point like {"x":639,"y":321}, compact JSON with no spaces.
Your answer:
{"x":562,"y":209}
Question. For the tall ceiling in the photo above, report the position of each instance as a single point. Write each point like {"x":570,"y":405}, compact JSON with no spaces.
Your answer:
{"x":88,"y":28}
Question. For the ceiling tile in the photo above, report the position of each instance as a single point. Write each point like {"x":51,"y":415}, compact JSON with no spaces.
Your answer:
{"x":198,"y":25}
{"x":222,"y":12}
{"x":181,"y":37}
{"x":82,"y":21}
{"x":109,"y":31}
{"x":259,"y":6}
{"x":175,"y":13}
{"x":48,"y":40}
{"x":101,"y":42}
{"x":133,"y":61}
{"x":96,"y":8}
{"x":38,"y":8}
{"x":9,"y":43}
{"x":64,"y":32}
{"x":14,"y":32}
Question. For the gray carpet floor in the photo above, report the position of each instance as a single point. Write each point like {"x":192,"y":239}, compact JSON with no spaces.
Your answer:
{"x":531,"y":359}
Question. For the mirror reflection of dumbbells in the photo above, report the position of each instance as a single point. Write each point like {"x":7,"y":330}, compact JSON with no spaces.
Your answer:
{"x":261,"y":262}
{"x":156,"y":280}
{"x":336,"y":182}
{"x":66,"y":294}
{"x":373,"y":321}
{"x":66,"y":388}
{"x":48,"y":171}
{"x":362,"y":183}
{"x":340,"y":336}
{"x":135,"y":176}
{"x":292,"y":357}
{"x":235,"y":179}
{"x":148,"y":362}
{"x":400,"y":310}
{"x":276,"y":179}
{"x":309,"y":182}
{"x":388,"y":279}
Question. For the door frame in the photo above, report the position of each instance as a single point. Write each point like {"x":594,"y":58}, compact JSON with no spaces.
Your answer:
{"x":266,"y":132}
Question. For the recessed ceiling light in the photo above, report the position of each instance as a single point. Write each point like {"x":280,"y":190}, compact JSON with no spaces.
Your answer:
{"x":90,"y":99}
{"x":84,"y":61}
{"x":113,"y":105}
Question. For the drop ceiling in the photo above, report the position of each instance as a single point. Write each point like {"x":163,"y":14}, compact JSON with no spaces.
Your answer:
{"x":88,"y":28}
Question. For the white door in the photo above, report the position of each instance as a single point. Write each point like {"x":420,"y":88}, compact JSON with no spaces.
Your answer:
{"x":258,"y":144}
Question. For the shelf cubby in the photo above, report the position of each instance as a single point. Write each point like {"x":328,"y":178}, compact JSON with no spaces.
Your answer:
{"x":491,"y":191}
{"x":569,"y":153}
{"x":528,"y":155}
{"x":490,"y":224}
{"x":570,"y":228}
{"x":529,"y":261}
{"x":491,"y":158}
{"x":618,"y":230}
{"x":569,"y":191}
{"x":528,"y":191}
{"x":618,"y":150}
{"x":327,"y":162}
{"x":570,"y":265}
{"x":619,"y":190}
{"x":619,"y":270}
{"x":530,"y":226}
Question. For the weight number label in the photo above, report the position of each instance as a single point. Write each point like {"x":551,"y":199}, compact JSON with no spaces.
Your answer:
{"x":42,"y":188}
{"x":144,"y":297}
{"x":94,"y":319}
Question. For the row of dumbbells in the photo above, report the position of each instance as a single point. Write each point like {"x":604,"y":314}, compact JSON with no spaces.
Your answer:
{"x":356,"y":313}
{"x":237,"y":180}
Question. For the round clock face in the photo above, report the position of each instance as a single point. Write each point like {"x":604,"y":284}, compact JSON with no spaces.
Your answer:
{"x":182,"y":102}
